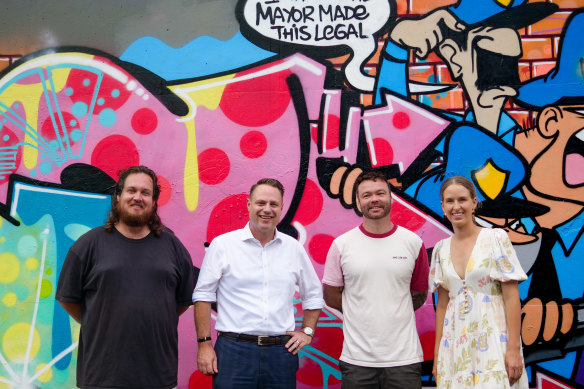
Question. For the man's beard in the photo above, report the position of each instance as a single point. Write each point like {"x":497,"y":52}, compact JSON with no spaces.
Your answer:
{"x":134,"y":220}
{"x":386,"y":211}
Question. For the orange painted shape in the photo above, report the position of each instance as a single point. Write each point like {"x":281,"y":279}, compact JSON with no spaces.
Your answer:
{"x":349,"y":183}
{"x":531,"y":323}
{"x":567,"y":318}
{"x":335,"y":185}
{"x":552,"y":317}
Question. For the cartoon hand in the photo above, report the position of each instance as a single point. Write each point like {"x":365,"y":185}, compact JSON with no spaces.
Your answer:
{"x":424,"y":34}
{"x":554,"y":324}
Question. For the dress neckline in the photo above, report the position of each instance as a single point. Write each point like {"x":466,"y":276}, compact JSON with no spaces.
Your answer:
{"x":463,"y":279}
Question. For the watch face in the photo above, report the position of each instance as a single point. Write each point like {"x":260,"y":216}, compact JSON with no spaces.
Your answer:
{"x":308,"y":331}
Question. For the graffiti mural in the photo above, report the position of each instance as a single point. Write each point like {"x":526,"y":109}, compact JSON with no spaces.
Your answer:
{"x":313,"y":93}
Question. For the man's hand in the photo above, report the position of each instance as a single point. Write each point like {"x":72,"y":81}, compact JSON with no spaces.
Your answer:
{"x":513,"y":365}
{"x":423,"y":34}
{"x":206,"y":359}
{"x":297,"y":341}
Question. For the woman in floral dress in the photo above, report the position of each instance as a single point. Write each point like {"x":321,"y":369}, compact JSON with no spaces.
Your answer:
{"x":478,"y":312}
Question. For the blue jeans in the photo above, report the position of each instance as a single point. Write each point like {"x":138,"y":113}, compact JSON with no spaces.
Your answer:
{"x":246,"y":365}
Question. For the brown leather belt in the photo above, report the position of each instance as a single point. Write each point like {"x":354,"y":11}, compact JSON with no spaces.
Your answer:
{"x":260,"y":340}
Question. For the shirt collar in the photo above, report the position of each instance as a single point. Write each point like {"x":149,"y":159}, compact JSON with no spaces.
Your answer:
{"x":247,"y":235}
{"x":378,"y":236}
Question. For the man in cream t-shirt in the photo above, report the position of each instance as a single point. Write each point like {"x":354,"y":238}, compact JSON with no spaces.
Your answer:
{"x":377,"y":275}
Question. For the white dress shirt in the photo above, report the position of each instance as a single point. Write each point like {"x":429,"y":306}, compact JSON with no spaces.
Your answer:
{"x":254,"y":286}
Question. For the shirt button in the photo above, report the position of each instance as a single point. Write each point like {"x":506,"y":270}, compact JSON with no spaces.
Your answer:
{"x":265,"y":283}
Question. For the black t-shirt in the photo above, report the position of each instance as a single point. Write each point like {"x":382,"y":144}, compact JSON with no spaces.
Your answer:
{"x":129,"y":291}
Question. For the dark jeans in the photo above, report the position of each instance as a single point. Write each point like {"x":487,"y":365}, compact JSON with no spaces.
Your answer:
{"x":246,"y":365}
{"x":397,"y":377}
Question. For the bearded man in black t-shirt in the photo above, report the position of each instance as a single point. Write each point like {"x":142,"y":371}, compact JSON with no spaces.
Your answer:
{"x":127,"y":283}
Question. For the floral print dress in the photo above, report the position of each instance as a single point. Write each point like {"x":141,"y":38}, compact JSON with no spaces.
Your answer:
{"x":474,"y":338}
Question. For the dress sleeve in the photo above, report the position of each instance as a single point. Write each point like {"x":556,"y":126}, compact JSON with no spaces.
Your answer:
{"x":436,"y":277}
{"x":505,"y":265}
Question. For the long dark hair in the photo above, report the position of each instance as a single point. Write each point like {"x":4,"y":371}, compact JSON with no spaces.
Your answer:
{"x":113,"y":217}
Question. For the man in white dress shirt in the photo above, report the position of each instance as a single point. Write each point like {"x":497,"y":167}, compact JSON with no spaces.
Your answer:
{"x":252,"y":274}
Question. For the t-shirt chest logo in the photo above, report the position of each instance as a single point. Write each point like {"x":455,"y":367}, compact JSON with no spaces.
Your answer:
{"x":399,"y":257}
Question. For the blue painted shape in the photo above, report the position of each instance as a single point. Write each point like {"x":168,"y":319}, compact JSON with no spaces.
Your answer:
{"x":201,"y":57}
{"x":65,"y":207}
{"x":462,"y":157}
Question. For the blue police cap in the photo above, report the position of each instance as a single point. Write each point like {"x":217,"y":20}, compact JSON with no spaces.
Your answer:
{"x":501,"y":13}
{"x":563,"y":85}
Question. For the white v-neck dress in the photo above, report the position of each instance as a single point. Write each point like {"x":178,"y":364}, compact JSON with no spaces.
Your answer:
{"x":474,"y":338}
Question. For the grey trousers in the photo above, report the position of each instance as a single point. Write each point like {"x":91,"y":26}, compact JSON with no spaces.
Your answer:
{"x":397,"y":377}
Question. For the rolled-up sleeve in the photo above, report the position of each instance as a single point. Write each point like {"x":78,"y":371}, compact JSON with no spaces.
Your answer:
{"x":309,"y":284}
{"x":210,"y":274}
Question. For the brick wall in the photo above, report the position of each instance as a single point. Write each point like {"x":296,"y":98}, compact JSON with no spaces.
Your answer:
{"x":539,"y":44}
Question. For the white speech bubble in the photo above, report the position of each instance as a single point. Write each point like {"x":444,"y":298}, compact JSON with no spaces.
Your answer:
{"x":326,"y":24}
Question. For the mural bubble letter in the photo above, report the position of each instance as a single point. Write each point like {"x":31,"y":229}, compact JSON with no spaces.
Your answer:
{"x":324,"y":28}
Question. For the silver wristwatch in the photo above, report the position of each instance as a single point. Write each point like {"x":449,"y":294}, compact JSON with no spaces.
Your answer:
{"x":308,"y":331}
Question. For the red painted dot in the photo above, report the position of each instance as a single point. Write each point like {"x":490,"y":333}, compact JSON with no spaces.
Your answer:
{"x":401,"y":120}
{"x":165,"y":190}
{"x":199,"y":380}
{"x":383,"y":152}
{"x":144,"y":121}
{"x":48,"y":129}
{"x":213,"y":166}
{"x":230,"y":214}
{"x":310,"y":205}
{"x":332,"y":133}
{"x":114,"y":153}
{"x":319,"y":246}
{"x":253,"y":144}
{"x":405,"y":217}
{"x":86,"y":84}
{"x":256,"y":102}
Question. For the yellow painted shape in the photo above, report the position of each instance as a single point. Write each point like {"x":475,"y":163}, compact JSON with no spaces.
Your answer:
{"x":504,"y":3}
{"x":47,"y":375}
{"x":31,"y":263}
{"x":9,"y":268}
{"x":10,"y":299}
{"x":15,"y":342}
{"x":206,"y":93}
{"x":191,"y":171}
{"x":491,"y":180}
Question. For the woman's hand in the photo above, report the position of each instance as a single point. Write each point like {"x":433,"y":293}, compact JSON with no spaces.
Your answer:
{"x":513,"y":365}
